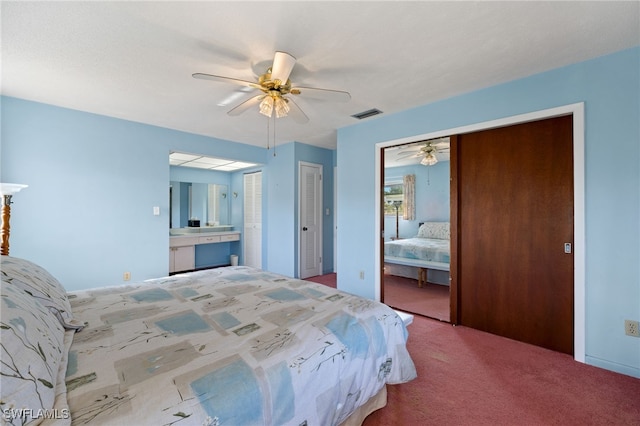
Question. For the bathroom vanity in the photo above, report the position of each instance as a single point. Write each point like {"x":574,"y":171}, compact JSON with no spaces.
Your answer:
{"x":199,"y":248}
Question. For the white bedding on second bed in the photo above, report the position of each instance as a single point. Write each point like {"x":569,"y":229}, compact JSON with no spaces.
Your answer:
{"x":427,"y":249}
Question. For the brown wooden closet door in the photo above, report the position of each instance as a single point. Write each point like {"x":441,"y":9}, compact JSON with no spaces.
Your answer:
{"x":515,"y":215}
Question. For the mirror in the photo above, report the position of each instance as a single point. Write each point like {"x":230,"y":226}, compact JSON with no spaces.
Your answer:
{"x":426,"y":164}
{"x":207,"y":202}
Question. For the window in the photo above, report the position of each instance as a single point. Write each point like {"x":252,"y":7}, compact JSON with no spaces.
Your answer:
{"x":393,"y":196}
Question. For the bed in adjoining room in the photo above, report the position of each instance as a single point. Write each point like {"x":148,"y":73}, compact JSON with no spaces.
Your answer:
{"x":225,"y":346}
{"x":429,"y":249}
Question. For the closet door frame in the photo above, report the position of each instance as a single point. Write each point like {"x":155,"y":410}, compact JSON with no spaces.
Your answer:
{"x":577,"y":111}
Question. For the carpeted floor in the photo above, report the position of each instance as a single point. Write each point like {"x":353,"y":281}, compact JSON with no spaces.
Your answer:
{"x":432,"y":300}
{"x":469,"y":377}
{"x":326,"y":279}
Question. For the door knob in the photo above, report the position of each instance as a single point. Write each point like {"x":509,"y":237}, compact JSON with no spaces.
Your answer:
{"x":304,"y":228}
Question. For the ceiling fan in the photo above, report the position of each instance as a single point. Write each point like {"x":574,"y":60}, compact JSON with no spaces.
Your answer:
{"x":276,"y":88}
{"x":427,"y":152}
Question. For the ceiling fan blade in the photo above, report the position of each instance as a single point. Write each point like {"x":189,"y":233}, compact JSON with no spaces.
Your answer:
{"x":296,"y":113}
{"x":282,"y":65}
{"x":408,"y":155}
{"x":414,"y":148}
{"x":322,"y":94}
{"x":202,"y":76}
{"x":245,"y":105}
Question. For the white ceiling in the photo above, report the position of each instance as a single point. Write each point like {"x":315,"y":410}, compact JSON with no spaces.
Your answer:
{"x":134,"y":60}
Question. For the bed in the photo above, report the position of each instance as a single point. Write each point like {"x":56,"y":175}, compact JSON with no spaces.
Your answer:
{"x":429,"y":249}
{"x":226,"y":346}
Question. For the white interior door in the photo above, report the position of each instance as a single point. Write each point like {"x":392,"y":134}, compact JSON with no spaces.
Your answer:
{"x":252,"y":230}
{"x":310,"y":232}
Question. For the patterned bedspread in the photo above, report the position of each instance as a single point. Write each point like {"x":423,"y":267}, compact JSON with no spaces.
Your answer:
{"x":430,"y":249}
{"x":230,"y":346}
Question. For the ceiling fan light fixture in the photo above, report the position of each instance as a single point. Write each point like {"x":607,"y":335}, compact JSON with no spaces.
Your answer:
{"x":266,"y":106}
{"x":282,"y":109}
{"x":429,"y":160}
{"x":274,"y":85}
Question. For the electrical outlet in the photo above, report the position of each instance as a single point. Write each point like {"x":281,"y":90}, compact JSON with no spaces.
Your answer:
{"x":362,"y":275}
{"x":631,"y":328}
{"x":126,"y":276}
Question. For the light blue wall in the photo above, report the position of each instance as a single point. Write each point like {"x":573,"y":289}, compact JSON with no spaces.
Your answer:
{"x":610,"y":88}
{"x":87,"y":215}
{"x":281,"y":204}
{"x":432,"y":197}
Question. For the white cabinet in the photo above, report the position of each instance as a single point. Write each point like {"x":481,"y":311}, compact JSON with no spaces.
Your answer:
{"x":209,"y":239}
{"x":182,"y":258}
{"x":182,"y":248}
{"x":230,"y":237}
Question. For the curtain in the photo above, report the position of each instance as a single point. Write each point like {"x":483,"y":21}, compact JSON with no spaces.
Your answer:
{"x":409,"y":205}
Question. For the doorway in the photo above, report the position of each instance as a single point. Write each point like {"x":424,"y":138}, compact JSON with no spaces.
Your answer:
{"x":576,"y":112}
{"x":310,"y":219}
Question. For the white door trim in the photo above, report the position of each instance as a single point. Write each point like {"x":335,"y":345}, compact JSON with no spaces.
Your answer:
{"x":579,"y":277}
{"x":320,"y":207}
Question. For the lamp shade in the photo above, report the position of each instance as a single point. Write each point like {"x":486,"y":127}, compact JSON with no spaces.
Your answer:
{"x":11,"y":188}
{"x":429,"y":160}
{"x":266,"y":106}
{"x":282,"y":109}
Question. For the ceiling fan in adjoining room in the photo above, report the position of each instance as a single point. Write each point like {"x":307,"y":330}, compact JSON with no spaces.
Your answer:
{"x":276,"y":87}
{"x":428,"y":153}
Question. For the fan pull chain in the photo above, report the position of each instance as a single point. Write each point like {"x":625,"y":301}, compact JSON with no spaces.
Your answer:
{"x":274,"y":135}
{"x":268,"y":134}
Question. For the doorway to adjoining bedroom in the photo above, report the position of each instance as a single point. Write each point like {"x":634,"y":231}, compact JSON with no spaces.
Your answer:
{"x":416,"y":211}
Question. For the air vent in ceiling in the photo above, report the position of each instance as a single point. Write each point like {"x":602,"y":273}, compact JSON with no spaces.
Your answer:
{"x":367,"y":113}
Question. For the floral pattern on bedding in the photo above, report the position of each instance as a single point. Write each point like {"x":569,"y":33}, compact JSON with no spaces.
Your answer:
{"x":230,"y":346}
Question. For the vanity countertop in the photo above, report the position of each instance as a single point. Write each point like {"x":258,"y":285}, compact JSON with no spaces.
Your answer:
{"x":200,"y":230}
{"x":203,"y":238}
{"x":203,"y":234}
